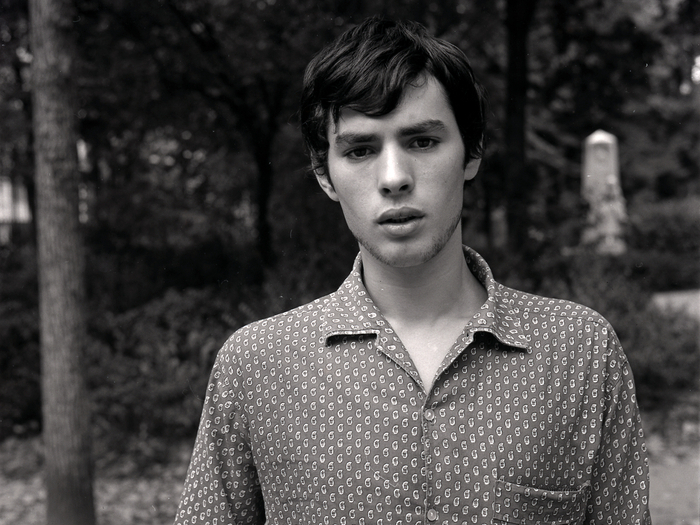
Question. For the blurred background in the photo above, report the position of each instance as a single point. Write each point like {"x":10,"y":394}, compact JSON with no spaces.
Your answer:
{"x":198,"y":215}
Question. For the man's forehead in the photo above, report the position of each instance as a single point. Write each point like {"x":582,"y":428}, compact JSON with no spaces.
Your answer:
{"x":422,"y":107}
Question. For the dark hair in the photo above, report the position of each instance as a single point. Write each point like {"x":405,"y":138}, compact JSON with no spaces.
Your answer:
{"x":367,"y":69}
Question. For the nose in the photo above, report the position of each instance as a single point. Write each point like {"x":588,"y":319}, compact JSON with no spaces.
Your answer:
{"x":396,"y":172}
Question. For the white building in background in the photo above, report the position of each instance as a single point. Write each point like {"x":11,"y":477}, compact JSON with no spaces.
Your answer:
{"x":14,"y":208}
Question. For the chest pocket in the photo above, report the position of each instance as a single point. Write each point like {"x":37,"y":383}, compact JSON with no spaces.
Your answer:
{"x":531,"y":506}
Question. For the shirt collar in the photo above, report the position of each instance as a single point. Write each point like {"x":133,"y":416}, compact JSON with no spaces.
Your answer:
{"x":351,"y":311}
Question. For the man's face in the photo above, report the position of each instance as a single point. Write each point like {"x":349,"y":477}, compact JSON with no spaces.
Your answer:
{"x":399,"y":177}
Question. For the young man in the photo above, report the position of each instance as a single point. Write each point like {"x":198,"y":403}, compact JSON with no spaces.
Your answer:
{"x":422,"y":391}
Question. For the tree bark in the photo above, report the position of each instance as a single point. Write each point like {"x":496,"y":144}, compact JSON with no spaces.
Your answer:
{"x":518,"y":19}
{"x":66,"y":426}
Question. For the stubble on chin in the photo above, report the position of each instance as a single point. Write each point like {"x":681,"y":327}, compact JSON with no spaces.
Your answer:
{"x":438,"y":242}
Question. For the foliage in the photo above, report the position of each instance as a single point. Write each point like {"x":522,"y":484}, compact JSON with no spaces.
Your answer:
{"x":20,"y":409}
{"x":623,"y":67}
{"x":665,"y":243}
{"x":149,"y":366}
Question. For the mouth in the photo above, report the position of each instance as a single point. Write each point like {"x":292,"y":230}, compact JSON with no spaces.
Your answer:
{"x":399,"y":216}
{"x":398,"y":221}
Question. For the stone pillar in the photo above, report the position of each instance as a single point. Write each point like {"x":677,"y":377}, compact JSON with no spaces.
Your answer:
{"x":600,"y":186}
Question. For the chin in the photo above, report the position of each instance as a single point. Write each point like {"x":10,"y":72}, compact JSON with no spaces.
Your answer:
{"x":404,"y":257}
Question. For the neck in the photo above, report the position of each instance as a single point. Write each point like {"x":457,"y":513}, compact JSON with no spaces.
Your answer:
{"x":440,"y":288}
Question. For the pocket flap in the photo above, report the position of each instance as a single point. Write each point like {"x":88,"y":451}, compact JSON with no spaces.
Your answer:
{"x":531,"y":506}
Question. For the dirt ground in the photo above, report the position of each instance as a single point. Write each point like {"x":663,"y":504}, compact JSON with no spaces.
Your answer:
{"x":675,"y":491}
{"x":129,"y":493}
{"x":673,"y":440}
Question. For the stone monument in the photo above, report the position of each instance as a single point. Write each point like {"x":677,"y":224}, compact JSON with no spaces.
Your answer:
{"x":600,"y":187}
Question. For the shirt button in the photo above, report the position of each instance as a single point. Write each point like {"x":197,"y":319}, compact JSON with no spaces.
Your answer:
{"x":432,"y":515}
{"x":429,"y":415}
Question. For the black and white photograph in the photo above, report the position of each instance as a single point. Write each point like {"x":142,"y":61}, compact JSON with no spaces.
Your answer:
{"x":340,"y":262}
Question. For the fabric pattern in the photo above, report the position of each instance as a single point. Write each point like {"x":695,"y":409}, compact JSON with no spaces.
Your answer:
{"x":318,"y":415}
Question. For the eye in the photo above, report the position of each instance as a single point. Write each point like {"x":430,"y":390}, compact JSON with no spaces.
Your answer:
{"x":358,"y":153}
{"x":424,"y":143}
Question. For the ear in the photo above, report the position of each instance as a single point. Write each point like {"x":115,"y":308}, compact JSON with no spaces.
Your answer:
{"x":471,"y":169}
{"x":324,"y":180}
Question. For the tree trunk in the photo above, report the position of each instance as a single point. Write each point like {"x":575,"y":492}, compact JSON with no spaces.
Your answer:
{"x":518,"y":18}
{"x":66,"y":427}
{"x":264,"y":192}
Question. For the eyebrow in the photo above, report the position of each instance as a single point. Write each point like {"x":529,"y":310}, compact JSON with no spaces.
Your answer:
{"x":425,"y":126}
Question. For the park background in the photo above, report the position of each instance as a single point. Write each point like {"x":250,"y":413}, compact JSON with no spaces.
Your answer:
{"x":197,"y":213}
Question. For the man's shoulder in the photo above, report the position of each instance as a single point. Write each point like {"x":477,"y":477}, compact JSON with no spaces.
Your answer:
{"x":528,"y":305}
{"x":552,"y":325}
{"x":300,"y":324}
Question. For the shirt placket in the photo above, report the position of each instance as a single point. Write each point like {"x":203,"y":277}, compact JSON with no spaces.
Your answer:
{"x":432,"y":437}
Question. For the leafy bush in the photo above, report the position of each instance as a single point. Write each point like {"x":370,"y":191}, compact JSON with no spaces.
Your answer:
{"x":670,"y":226}
{"x":149,"y":366}
{"x":665,"y":243}
{"x":20,"y":405}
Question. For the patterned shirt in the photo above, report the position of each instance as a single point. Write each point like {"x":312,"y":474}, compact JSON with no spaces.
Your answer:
{"x":318,"y":415}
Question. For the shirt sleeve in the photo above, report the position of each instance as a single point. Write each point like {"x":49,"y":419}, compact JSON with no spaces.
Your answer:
{"x":620,"y":483}
{"x":222,"y":484}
